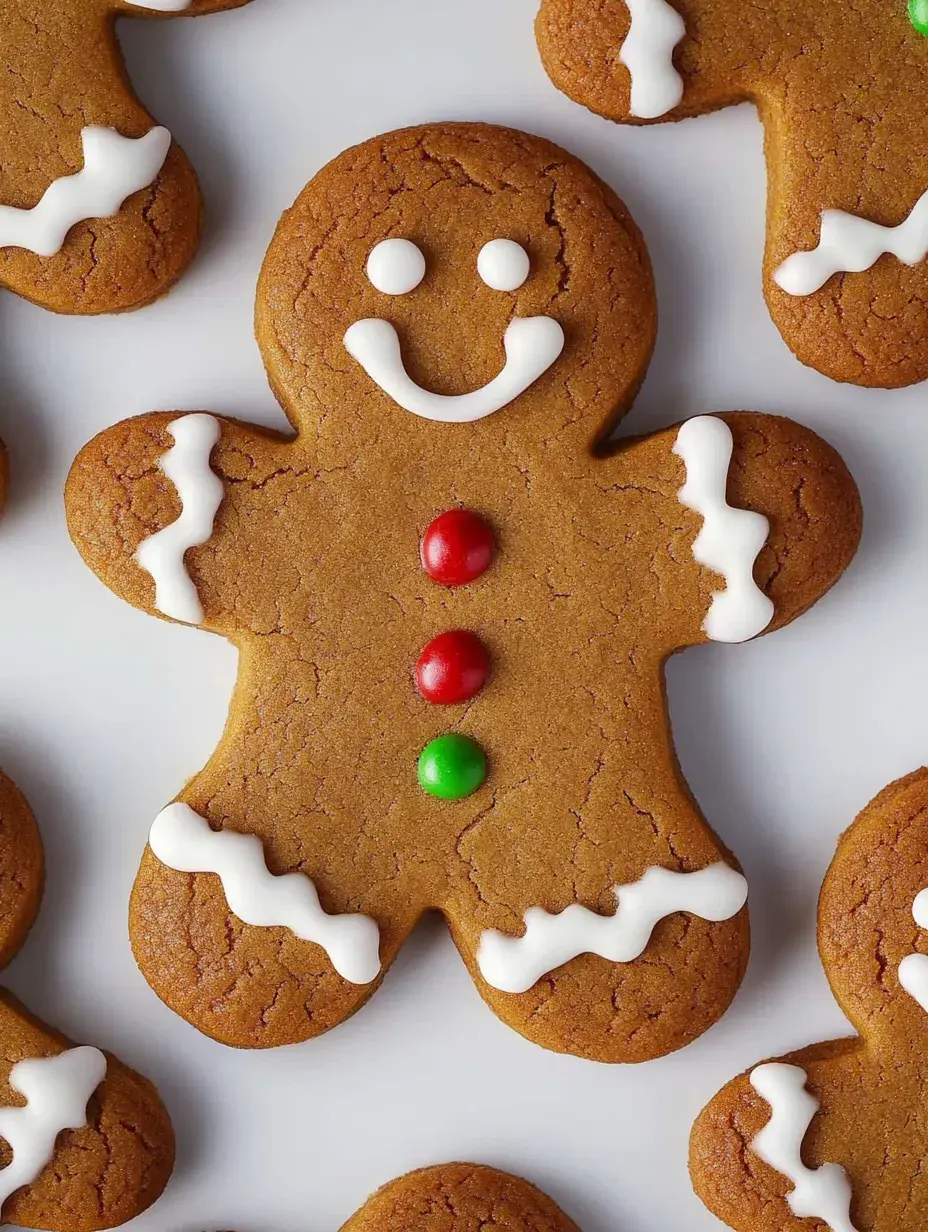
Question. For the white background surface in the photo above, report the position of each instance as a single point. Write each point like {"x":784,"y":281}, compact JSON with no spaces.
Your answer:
{"x":104,"y":712}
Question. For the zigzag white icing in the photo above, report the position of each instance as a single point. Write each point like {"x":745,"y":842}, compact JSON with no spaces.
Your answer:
{"x":114,"y":168}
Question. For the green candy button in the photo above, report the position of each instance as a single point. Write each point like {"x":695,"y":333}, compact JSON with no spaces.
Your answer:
{"x":918,"y":15}
{"x":452,"y":767}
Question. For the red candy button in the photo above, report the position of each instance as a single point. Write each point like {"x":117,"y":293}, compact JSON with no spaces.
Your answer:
{"x":457,"y":548}
{"x":453,"y":668}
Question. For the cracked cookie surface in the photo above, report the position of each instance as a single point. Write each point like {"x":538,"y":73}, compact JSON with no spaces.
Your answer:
{"x":311,"y":566}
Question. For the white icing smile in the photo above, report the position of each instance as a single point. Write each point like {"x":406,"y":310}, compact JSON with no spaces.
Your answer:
{"x":532,"y":344}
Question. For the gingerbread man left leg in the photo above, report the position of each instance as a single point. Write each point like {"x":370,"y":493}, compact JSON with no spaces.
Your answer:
{"x":99,"y":210}
{"x":85,"y":1143}
{"x":835,"y":1132}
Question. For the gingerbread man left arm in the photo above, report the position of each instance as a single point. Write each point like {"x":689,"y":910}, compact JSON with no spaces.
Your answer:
{"x":156,"y":506}
{"x":100,"y":211}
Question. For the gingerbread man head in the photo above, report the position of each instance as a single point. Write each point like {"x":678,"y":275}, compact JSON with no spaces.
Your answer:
{"x":99,"y":210}
{"x":840,"y":94}
{"x":85,"y":1143}
{"x":834,"y":1132}
{"x":453,"y":603}
{"x":459,"y":1198}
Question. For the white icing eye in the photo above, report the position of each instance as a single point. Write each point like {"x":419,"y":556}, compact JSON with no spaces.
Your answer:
{"x":395,"y":267}
{"x":503,"y":265}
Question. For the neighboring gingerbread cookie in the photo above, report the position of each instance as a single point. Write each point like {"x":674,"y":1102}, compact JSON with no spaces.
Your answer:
{"x":836,"y":1133}
{"x":85,"y":1143}
{"x":99,"y":210}
{"x":841,"y":94}
{"x":459,"y":1198}
{"x":453,"y":614}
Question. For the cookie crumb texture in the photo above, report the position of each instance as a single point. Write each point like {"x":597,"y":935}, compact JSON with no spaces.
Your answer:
{"x":870,"y":1089}
{"x":313,"y":570}
{"x":841,"y":95}
{"x":47,"y":99}
{"x":459,"y":1198}
{"x":113,"y":1168}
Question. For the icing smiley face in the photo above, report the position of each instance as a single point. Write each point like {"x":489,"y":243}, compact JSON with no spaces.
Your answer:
{"x":532,"y":345}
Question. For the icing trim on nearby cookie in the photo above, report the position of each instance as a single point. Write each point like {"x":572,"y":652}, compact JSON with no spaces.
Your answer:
{"x":913,"y":970}
{"x":514,"y":964}
{"x":730,"y":539}
{"x":57,"y":1090}
{"x":114,"y":168}
{"x":201,"y":491}
{"x":532,"y":345}
{"x":161,"y":6}
{"x":850,"y":245}
{"x":820,"y":1193}
{"x":647,"y":53}
{"x":184,"y":841}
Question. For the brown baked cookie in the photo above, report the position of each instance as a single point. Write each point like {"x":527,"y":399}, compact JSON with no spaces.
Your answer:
{"x":99,"y":210}
{"x":841,"y":93}
{"x":85,"y":1143}
{"x":459,"y":1198}
{"x":453,"y":614}
{"x":834,"y":1133}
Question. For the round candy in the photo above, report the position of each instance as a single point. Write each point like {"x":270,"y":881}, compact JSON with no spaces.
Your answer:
{"x":918,"y":13}
{"x":452,"y":767}
{"x":453,"y":668}
{"x":457,"y":548}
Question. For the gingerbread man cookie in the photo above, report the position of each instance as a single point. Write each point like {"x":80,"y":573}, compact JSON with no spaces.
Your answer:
{"x":85,"y":1143}
{"x":453,"y":603}
{"x":99,"y":210}
{"x":835,"y":1133}
{"x":840,"y":94}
